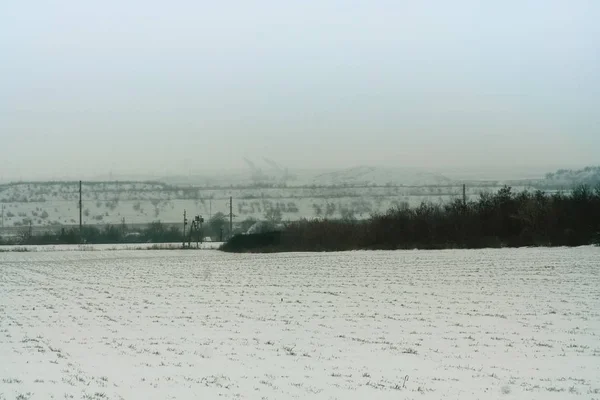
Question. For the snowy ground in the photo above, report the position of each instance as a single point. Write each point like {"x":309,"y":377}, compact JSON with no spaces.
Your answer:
{"x":109,"y":247}
{"x":56,"y":204}
{"x":506,"y":324}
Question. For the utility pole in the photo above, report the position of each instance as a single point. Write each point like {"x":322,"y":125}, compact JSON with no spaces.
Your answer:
{"x":2,"y":215}
{"x":230,"y":216}
{"x":80,"y":213}
{"x":184,"y":224}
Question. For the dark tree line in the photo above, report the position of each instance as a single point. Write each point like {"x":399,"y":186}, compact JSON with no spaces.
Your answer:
{"x":156,"y":232}
{"x":502,"y":219}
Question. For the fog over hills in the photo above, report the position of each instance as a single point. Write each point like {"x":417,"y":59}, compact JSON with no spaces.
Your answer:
{"x":264,"y":171}
{"x":149,"y":90}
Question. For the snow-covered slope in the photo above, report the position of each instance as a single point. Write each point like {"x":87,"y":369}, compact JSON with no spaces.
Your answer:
{"x":54,"y":204}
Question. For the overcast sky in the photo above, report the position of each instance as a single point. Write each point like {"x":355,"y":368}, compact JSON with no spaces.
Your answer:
{"x":164,"y":86}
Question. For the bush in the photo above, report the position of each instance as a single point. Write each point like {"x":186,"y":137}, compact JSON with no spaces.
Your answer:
{"x":243,"y":243}
{"x":503,"y":219}
{"x":156,"y":232}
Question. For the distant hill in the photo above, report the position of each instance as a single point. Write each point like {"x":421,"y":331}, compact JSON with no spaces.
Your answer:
{"x":259,"y":175}
{"x":366,"y":175}
{"x":567,"y":177}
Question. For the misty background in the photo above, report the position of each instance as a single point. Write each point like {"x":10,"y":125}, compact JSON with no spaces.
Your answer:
{"x":148,"y":87}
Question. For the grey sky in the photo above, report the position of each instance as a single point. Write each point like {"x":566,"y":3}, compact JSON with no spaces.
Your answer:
{"x":141,"y":86}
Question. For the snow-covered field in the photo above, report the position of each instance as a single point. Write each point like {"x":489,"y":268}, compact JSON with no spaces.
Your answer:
{"x":56,"y":212}
{"x":486,"y":324}
{"x":56,"y":204}
{"x":108,"y":247}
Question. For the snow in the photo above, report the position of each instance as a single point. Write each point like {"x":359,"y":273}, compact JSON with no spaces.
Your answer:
{"x":56,"y":204}
{"x":485,"y":324}
{"x":207,"y":245}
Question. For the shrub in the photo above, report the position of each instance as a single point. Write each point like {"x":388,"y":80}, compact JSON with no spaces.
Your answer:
{"x":502,"y":219}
